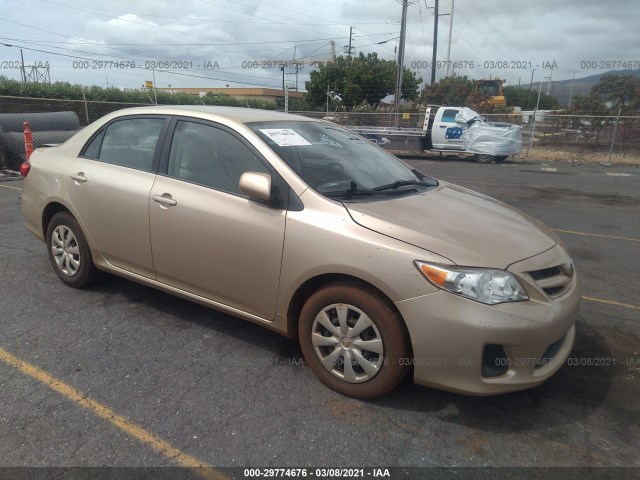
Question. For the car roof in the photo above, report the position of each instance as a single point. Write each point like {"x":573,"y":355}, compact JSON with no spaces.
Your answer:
{"x":239,"y":114}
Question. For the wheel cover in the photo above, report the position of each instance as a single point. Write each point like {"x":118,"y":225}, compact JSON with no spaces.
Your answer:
{"x":65,"y":250}
{"x":347,"y":342}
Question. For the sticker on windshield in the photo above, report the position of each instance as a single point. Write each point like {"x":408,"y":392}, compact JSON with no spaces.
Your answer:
{"x":285,"y":137}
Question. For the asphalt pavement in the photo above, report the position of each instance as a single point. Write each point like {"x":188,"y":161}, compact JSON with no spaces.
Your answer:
{"x":123,"y":375}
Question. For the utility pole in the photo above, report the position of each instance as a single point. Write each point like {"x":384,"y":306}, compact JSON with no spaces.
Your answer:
{"x":533,"y":127}
{"x":403,"y":32}
{"x":350,"y":38}
{"x":450,"y":32}
{"x":328,"y":92}
{"x":296,"y":64}
{"x":531,"y":82}
{"x":286,"y":99}
{"x":571,"y":91}
{"x":155,"y":90}
{"x":435,"y":43}
{"x":22,"y":71}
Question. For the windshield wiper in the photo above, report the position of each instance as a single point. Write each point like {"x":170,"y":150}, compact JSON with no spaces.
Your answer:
{"x":402,"y":183}
{"x":354,"y":191}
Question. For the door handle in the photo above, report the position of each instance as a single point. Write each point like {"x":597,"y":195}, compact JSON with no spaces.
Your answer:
{"x":164,"y":199}
{"x":443,"y":126}
{"x":79,"y":177}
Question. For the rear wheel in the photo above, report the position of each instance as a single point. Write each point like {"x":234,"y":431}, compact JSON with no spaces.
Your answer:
{"x":353,"y":340}
{"x":69,"y":252}
{"x":483,"y":158}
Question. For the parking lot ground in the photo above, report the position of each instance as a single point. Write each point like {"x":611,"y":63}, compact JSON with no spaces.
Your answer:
{"x":229,"y":393}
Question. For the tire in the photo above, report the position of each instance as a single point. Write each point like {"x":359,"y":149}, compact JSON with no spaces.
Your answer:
{"x":352,"y":302}
{"x":483,"y":158}
{"x":501,"y":158}
{"x":67,"y":244}
{"x":14,"y":122}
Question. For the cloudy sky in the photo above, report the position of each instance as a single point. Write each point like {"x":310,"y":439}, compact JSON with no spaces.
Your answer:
{"x":221,"y":42}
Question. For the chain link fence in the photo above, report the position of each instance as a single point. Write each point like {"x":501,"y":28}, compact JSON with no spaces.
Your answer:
{"x":52,"y":121}
{"x":546,"y":135}
{"x":87,"y":110}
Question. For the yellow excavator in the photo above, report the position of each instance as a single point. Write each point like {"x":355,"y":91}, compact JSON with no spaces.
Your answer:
{"x":493,"y":88}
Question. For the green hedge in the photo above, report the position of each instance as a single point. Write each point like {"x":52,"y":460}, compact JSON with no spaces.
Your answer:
{"x":73,"y":91}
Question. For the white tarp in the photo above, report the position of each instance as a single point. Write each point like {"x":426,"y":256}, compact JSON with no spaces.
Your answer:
{"x":466,"y":114}
{"x":486,"y":139}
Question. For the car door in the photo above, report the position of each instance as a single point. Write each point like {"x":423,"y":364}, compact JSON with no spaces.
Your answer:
{"x":207,"y":237}
{"x":446,"y":134}
{"x":108,"y":185}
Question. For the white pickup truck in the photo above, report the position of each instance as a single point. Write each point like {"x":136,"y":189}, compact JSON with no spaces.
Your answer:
{"x":451,"y":129}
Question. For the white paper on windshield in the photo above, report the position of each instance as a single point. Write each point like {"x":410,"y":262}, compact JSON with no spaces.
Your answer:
{"x":285,"y":137}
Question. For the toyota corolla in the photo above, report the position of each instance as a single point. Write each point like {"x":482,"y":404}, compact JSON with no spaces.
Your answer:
{"x":312,"y":231}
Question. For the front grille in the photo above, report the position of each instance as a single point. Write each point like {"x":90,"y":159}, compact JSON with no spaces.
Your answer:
{"x":552,"y":280}
{"x":551,"y":291}
{"x":545,"y":273}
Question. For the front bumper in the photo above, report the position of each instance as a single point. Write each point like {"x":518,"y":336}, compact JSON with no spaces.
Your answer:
{"x":449,"y":334}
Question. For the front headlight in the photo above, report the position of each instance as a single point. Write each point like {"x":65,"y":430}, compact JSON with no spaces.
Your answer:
{"x":484,"y":285}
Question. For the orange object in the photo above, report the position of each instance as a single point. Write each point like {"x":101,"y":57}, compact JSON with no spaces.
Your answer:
{"x":28,"y":140}
{"x":436,"y":275}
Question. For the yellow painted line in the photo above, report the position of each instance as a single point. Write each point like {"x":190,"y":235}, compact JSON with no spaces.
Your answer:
{"x":12,"y":188}
{"x":161,"y":446}
{"x":611,"y":302}
{"x":597,"y":235}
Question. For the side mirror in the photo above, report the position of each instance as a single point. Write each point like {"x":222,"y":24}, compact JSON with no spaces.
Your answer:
{"x":256,"y":185}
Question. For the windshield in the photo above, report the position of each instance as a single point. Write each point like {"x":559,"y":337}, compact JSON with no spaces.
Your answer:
{"x":337,"y":162}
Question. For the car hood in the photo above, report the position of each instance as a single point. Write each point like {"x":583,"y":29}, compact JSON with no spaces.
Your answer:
{"x":464,"y":226}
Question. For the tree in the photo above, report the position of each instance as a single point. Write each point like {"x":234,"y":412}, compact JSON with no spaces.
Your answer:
{"x":362,"y":79}
{"x":591,"y":104}
{"x":449,"y":91}
{"x":528,"y":99}
{"x":623,"y":91}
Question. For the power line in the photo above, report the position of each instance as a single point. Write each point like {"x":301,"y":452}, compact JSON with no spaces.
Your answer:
{"x":51,"y":44}
{"x":199,"y":18}
{"x":494,"y":28}
{"x":170,"y":72}
{"x":254,"y":15}
{"x":480,"y":32}
{"x":424,"y":37}
{"x":120,"y":19}
{"x":61,"y":35}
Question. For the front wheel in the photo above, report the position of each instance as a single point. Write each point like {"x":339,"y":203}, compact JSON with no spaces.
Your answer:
{"x":481,"y":158}
{"x":69,"y":252}
{"x":353,"y":340}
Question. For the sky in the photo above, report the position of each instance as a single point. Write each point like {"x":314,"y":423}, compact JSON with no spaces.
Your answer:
{"x":239,"y":43}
